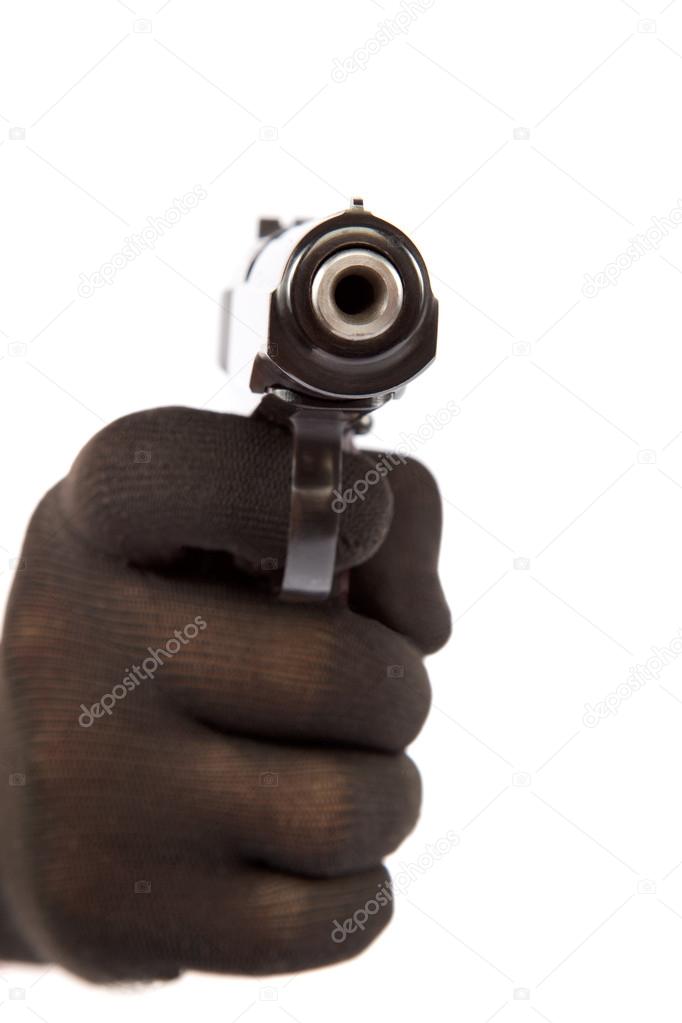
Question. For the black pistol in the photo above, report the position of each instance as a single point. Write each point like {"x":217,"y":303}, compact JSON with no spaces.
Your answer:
{"x":344,"y":310}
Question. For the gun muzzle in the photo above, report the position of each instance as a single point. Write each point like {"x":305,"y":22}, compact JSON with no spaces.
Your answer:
{"x":351,"y":313}
{"x":357,"y":294}
{"x":350,"y":319}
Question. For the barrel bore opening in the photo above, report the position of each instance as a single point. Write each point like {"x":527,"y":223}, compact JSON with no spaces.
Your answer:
{"x":356,"y":294}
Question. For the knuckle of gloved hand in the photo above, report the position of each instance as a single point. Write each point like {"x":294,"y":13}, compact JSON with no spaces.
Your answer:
{"x":89,"y":493}
{"x":415,"y":476}
{"x":381,"y":674}
{"x":359,"y":807}
{"x":48,"y":529}
{"x":380,"y":808}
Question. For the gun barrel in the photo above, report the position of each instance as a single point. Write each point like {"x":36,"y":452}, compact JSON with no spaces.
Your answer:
{"x":349,"y":318}
{"x":357,"y":294}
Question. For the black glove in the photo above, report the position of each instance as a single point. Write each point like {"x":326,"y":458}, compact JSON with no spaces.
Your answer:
{"x":200,"y":776}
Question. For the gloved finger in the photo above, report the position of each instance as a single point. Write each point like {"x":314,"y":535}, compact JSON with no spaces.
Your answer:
{"x":266,"y":669}
{"x":247,"y":919}
{"x":222,"y":652}
{"x":304,"y":923}
{"x":399,"y":584}
{"x":158,"y":481}
{"x":297,"y":923}
{"x":311,"y":811}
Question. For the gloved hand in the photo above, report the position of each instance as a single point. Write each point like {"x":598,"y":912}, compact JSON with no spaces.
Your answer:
{"x":203,"y":777}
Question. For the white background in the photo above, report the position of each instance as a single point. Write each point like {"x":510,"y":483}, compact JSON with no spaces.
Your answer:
{"x":562,"y":900}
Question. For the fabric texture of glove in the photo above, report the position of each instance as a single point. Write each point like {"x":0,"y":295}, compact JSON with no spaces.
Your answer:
{"x":200,"y":775}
